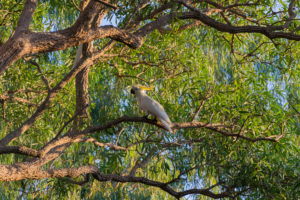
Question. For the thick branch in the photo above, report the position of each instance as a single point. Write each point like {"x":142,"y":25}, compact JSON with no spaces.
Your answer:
{"x":53,"y":41}
{"x":26,"y":15}
{"x":25,"y":171}
{"x":28,"y":171}
{"x":19,"y":150}
{"x":81,"y":85}
{"x":27,"y":42}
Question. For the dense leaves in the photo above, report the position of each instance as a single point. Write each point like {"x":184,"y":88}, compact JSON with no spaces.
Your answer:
{"x":246,"y":82}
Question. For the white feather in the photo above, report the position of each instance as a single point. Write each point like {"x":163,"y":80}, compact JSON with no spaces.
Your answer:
{"x":152,"y":107}
{"x":166,"y":125}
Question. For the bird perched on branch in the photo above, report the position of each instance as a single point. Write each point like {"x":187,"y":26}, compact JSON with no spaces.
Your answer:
{"x":150,"y":106}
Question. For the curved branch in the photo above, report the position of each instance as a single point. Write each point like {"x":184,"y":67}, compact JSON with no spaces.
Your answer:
{"x":21,"y":171}
{"x":183,"y":125}
{"x":132,"y":179}
{"x":267,"y":31}
{"x":217,"y":128}
{"x":53,"y":41}
{"x":75,"y":5}
{"x":76,"y":136}
{"x":26,"y":42}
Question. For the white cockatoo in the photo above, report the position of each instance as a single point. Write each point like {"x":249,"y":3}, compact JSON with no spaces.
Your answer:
{"x":150,"y":106}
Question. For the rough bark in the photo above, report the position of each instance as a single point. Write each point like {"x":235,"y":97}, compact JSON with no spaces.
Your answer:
{"x":82,"y":98}
{"x":27,"y":42}
{"x":84,"y":31}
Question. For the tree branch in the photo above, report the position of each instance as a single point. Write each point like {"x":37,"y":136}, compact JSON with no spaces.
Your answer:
{"x":131,"y":179}
{"x":139,"y":164}
{"x":20,"y":172}
{"x":19,"y":150}
{"x":18,"y":99}
{"x":75,"y":5}
{"x":26,"y":16}
{"x":108,"y":4}
{"x":267,"y":31}
{"x":83,"y":62}
{"x":100,"y":144}
{"x":27,"y":171}
{"x":80,"y":32}
{"x":183,"y":125}
{"x":45,"y":80}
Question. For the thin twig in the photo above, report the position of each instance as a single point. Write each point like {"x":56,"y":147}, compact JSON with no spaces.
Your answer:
{"x":119,"y":134}
{"x":69,"y":121}
{"x":100,"y":144}
{"x":43,"y":77}
{"x":76,"y":5}
{"x":139,"y":164}
{"x":198,"y":111}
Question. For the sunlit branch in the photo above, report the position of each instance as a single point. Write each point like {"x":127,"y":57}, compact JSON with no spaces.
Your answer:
{"x":19,"y":150}
{"x":26,"y":16}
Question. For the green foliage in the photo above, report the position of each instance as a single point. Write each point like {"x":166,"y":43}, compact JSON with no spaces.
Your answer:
{"x":188,"y":69}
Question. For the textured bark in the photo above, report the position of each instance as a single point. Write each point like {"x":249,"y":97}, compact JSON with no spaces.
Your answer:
{"x":31,"y":169}
{"x":84,"y":31}
{"x":19,"y":150}
{"x":28,"y":171}
{"x":81,"y":85}
{"x":82,"y":98}
{"x":267,"y":31}
{"x":26,"y":42}
{"x":82,"y":78}
{"x":26,"y":16}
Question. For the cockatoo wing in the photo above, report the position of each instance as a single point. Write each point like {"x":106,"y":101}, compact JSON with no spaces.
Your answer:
{"x":153,"y":107}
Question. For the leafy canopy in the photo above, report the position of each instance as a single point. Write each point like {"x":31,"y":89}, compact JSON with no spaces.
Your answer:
{"x":251,"y":86}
